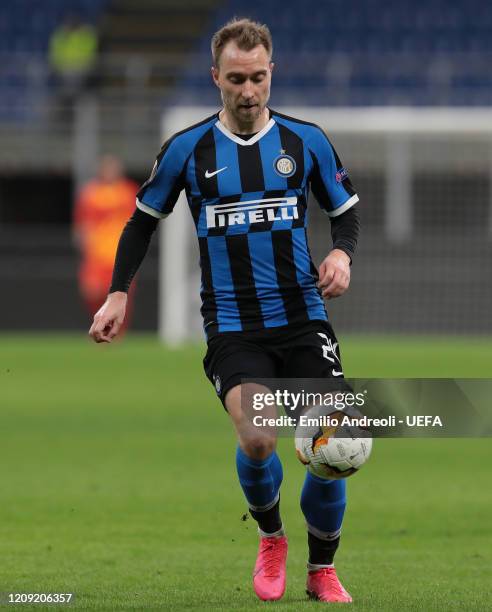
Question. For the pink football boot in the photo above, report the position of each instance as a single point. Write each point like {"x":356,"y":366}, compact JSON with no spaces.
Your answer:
{"x":323,"y":584}
{"x":269,"y":573}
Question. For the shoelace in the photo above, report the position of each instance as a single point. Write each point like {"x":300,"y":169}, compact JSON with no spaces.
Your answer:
{"x":273,"y":553}
{"x":334,"y":584}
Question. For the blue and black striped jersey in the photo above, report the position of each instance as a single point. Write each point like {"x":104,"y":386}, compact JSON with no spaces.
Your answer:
{"x":248,"y":199}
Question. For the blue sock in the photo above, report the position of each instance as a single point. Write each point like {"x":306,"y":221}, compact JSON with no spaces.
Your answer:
{"x":323,"y":504}
{"x":259,"y":479}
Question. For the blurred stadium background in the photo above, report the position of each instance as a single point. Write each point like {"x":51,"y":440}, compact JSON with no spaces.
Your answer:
{"x":404,"y":90}
{"x":107,"y":452}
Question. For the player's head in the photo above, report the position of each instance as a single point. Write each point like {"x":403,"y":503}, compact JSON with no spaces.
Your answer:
{"x":242,"y":70}
{"x":110,"y":168}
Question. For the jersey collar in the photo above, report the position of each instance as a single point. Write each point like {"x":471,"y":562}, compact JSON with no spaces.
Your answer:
{"x":240,"y":141}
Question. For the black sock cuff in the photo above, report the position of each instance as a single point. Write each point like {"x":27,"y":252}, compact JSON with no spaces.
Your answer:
{"x":322,"y":552}
{"x":269,"y":521}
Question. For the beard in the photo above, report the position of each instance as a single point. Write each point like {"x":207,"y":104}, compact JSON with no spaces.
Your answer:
{"x":244,"y":113}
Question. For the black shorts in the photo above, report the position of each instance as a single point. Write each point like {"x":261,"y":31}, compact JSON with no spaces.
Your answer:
{"x":309,"y":350}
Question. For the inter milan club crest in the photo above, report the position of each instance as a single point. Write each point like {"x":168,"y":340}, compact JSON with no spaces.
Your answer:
{"x":284,"y":165}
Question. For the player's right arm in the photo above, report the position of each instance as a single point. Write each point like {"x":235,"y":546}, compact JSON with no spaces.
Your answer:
{"x":132,"y":247}
{"x":155,"y":200}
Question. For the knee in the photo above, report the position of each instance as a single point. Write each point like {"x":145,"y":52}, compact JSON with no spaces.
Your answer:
{"x":258,"y":447}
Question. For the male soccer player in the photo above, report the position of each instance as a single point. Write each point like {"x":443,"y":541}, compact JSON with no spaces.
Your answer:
{"x":246,"y":171}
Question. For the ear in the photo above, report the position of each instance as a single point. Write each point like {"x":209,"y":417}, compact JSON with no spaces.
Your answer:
{"x":215,"y":74}
{"x":271,"y":66}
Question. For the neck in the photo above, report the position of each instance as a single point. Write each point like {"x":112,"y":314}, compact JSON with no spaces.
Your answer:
{"x":238,"y":127}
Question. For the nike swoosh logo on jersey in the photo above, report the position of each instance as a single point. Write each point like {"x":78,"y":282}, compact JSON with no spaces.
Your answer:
{"x":336,"y":373}
{"x":211,"y":174}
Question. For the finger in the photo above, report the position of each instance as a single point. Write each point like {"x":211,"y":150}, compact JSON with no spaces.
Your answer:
{"x":92,"y":331}
{"x":338,"y":286}
{"x":327,"y":277}
{"x":101,"y":323}
{"x":336,"y":291}
{"x":115,"y":329}
{"x":333,"y":291}
{"x":100,"y":328}
{"x":333,"y":282}
{"x":103,"y":335}
{"x":105,"y":339}
{"x":102,"y":338}
{"x":95,"y":321}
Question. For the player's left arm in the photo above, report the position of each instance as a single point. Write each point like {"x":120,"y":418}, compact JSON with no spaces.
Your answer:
{"x":334,"y":271}
{"x":336,"y":196}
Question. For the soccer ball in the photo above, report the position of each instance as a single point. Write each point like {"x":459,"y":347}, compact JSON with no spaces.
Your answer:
{"x":331,"y":451}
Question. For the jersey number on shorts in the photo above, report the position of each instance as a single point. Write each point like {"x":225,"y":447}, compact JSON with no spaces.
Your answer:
{"x":330,"y":353}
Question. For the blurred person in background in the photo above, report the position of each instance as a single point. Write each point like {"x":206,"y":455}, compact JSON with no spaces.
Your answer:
{"x":101,"y":211}
{"x":72,"y":57}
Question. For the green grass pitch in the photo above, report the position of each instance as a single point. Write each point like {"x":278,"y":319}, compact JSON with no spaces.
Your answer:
{"x":118,"y":485}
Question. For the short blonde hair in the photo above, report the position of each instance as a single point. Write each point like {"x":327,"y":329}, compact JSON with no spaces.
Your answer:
{"x":247,"y":35}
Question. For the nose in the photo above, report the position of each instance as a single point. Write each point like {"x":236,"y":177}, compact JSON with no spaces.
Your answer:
{"x":247,"y":91}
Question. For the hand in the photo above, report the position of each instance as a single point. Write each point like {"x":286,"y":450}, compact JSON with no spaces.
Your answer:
{"x":334,"y":274}
{"x":109,"y":318}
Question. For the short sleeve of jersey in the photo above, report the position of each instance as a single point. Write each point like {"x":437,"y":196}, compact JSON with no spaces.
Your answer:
{"x":159,"y":193}
{"x":330,"y":182}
